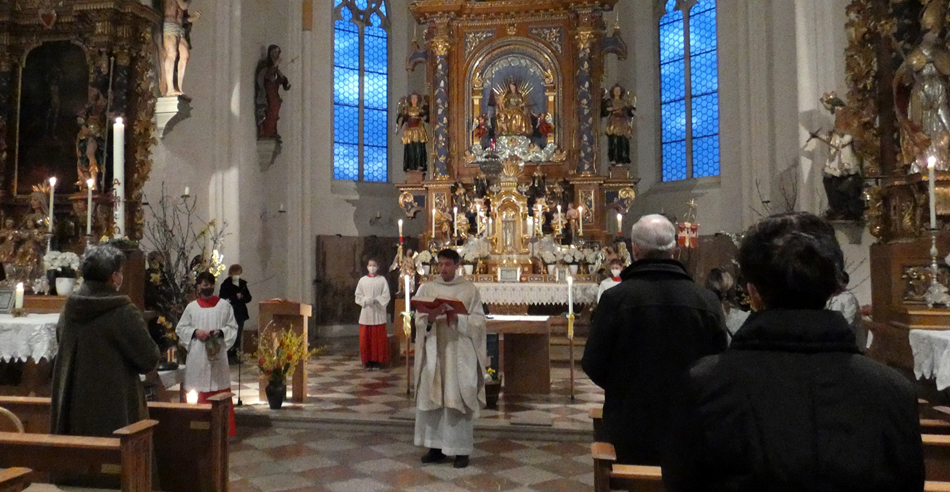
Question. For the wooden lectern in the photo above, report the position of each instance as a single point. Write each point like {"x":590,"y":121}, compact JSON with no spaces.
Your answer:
{"x":279,"y":314}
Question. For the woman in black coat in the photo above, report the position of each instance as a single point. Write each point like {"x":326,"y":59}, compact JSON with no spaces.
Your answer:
{"x":792,"y":405}
{"x":234,"y":289}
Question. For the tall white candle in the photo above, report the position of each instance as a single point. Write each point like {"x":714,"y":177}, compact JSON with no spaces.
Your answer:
{"x":89,"y":184}
{"x":52,"y":191}
{"x":530,"y":226}
{"x":570,"y":294}
{"x":580,"y":220}
{"x":18,"y":301}
{"x":400,"y":230}
{"x":433,"y":222}
{"x":455,"y":220}
{"x":118,"y":175}
{"x":619,"y":225}
{"x":187,"y":191}
{"x":931,"y":164}
{"x":406,"y":288}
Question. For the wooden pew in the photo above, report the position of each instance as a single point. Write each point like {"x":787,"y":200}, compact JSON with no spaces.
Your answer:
{"x":610,"y":476}
{"x":127,"y":455}
{"x":14,"y":479}
{"x":190,"y":441}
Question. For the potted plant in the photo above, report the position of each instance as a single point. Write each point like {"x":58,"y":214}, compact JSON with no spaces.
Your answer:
{"x":550,"y":260}
{"x":424,"y":260}
{"x":572,"y":257}
{"x":278,"y":353}
{"x":469,"y":258}
{"x":61,"y":268}
{"x":492,"y":388}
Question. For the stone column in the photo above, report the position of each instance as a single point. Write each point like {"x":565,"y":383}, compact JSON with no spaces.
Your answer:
{"x":438,"y":112}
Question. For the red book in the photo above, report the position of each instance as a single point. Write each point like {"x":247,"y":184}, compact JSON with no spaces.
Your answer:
{"x":430,"y":303}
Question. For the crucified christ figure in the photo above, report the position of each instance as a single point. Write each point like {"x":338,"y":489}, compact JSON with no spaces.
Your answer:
{"x":176,"y":49}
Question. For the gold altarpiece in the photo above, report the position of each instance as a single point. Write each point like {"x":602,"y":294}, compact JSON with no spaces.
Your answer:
{"x":532,"y":72}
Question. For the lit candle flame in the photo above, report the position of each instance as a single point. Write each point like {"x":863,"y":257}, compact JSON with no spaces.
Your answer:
{"x":192,"y":397}
{"x":931,"y":161}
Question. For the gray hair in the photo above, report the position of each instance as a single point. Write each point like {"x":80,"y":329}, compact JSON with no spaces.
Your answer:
{"x":100,"y":262}
{"x":654,"y":236}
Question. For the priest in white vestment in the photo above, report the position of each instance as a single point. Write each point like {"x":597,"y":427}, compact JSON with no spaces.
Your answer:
{"x":372,"y":295}
{"x":206,"y":329}
{"x":450,"y":366}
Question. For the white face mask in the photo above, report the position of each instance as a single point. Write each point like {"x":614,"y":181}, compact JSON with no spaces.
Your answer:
{"x":615,"y":272}
{"x":235,"y":279}
{"x":371,"y":269}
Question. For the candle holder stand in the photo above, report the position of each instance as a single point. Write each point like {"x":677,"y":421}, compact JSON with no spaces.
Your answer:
{"x":937,"y":292}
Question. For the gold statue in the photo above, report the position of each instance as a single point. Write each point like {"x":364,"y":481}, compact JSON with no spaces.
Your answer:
{"x":513,"y":117}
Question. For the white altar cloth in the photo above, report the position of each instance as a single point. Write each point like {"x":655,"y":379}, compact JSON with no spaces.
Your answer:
{"x":522,"y":293}
{"x":931,"y":350}
{"x":32,"y":336}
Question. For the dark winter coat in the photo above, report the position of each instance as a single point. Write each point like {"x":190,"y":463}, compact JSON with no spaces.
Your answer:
{"x":230,"y":291}
{"x":103,"y":347}
{"x":645,"y":335}
{"x":793,"y":406}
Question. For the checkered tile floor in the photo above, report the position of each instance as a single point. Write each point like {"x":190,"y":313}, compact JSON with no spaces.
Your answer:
{"x":339,"y":388}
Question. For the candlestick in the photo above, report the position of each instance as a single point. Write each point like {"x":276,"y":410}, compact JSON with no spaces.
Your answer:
{"x":18,"y":300}
{"x":580,"y":220}
{"x":52,"y":191}
{"x":932,"y":185}
{"x":89,"y":184}
{"x":455,"y":220}
{"x":118,"y":175}
{"x":570,"y":294}
{"x":619,"y":227}
{"x":187,"y":191}
{"x":400,"y":230}
{"x":433,"y":222}
{"x":406,"y":288}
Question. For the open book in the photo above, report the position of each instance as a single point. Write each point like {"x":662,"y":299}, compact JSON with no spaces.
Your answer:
{"x":434,"y":302}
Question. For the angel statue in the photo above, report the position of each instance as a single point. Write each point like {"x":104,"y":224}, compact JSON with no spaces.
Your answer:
{"x":921,"y":95}
{"x":618,"y":107}
{"x":513,"y":116}
{"x":406,"y":264}
{"x":413,"y":114}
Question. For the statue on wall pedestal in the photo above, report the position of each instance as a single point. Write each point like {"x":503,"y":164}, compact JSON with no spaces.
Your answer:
{"x":842,"y":172}
{"x":413,"y":114}
{"x":176,"y":47}
{"x":269,"y":81}
{"x":89,"y":150}
{"x":513,"y":116}
{"x":618,"y":107}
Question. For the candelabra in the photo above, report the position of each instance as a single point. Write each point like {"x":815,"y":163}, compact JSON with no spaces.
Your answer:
{"x":937,"y":292}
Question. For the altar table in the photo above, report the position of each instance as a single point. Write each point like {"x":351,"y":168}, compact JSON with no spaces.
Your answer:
{"x":28,"y":337}
{"x":526,"y":357}
{"x":529,"y":293}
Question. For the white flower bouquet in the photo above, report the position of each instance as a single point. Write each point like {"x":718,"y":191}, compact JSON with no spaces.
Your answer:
{"x":65,"y":263}
{"x":573,"y":256}
{"x":424,"y":258}
{"x":470,"y":256}
{"x":549,"y":257}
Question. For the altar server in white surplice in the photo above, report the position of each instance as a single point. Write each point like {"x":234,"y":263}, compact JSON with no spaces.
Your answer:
{"x":372,"y":294}
{"x":450,"y":366}
{"x":206,"y":329}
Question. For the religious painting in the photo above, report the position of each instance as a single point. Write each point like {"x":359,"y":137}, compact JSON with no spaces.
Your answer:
{"x":54,"y":107}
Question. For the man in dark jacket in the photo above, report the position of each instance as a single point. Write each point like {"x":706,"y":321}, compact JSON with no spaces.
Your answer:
{"x":103,"y":347}
{"x":792,"y":405}
{"x":234,"y":290}
{"x":645,"y":335}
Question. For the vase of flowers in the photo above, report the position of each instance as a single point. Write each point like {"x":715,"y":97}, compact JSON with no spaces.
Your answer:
{"x":278,"y":353}
{"x":61,"y":270}
{"x":469,"y":258}
{"x":572,"y":257}
{"x":424,"y":261}
{"x":550,"y":260}
{"x":492,"y":388}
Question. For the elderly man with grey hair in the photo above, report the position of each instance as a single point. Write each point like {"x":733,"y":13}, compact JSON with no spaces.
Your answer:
{"x":645,"y":335}
{"x":103,"y":347}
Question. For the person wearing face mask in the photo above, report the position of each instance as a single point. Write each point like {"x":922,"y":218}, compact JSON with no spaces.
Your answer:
{"x":616,"y":266}
{"x":206,"y":329}
{"x":234,"y":290}
{"x":372,"y":294}
{"x":103,"y":347}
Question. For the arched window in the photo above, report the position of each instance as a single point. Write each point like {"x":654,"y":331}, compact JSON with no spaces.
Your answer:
{"x":360,"y":90}
{"x":689,"y":89}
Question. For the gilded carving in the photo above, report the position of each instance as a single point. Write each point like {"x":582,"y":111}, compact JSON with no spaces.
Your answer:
{"x":475,"y":38}
{"x":554,"y":36}
{"x":917,"y":281}
{"x":584,"y":40}
{"x":440,"y":45}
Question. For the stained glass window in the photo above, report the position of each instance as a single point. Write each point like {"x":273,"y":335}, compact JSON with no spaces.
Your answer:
{"x":689,"y":91}
{"x":360,"y":90}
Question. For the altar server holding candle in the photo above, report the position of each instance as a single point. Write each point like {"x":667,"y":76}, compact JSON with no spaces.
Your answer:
{"x":372,"y":295}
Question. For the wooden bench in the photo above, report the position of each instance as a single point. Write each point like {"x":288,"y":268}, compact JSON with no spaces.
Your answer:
{"x":608,"y":475}
{"x":14,"y":479}
{"x":190,"y":441}
{"x":127,"y":455}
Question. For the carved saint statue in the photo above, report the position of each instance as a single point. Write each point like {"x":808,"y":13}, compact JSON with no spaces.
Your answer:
{"x":842,"y":172}
{"x":89,"y":150}
{"x":269,"y":81}
{"x":618,"y":107}
{"x":513,"y":116}
{"x":176,"y":47}
{"x":413,"y":115}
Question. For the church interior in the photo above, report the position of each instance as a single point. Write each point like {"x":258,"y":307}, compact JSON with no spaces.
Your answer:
{"x":301,"y":139}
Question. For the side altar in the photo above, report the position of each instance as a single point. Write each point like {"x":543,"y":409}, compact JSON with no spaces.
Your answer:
{"x":502,"y":147}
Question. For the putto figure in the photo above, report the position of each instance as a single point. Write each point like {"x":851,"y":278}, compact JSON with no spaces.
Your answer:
{"x":268,"y":101}
{"x":413,"y":115}
{"x":176,"y":48}
{"x":618,"y":108}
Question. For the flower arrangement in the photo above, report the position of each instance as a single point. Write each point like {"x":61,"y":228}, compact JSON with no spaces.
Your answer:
{"x":492,"y":376}
{"x":572,"y":256}
{"x":424,"y":258}
{"x":66,"y":264}
{"x":470,"y":256}
{"x":278,"y":354}
{"x":549,"y":257}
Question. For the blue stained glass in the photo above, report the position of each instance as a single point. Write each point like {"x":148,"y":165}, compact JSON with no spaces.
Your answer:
{"x":346,"y":24}
{"x":346,"y":161}
{"x":346,"y":86}
{"x":672,"y":15}
{"x":346,"y":49}
{"x":375,"y":164}
{"x":375,"y":57}
{"x":674,"y":161}
{"x":702,"y":32}
{"x":672,"y":81}
{"x":382,"y":7}
{"x":374,"y":127}
{"x":673,"y":116}
{"x":702,"y":6}
{"x":374,"y":21}
{"x":374,"y":91}
{"x":706,"y":156}
{"x":705,"y":115}
{"x":672,"y":42}
{"x":345,"y":124}
{"x":361,"y":4}
{"x":704,"y":72}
